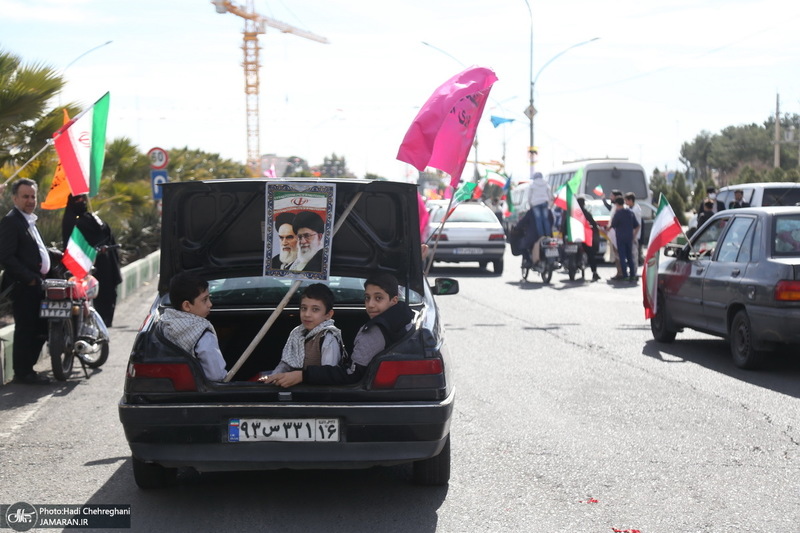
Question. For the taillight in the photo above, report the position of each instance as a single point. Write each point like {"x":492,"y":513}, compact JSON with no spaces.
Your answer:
{"x":440,"y":236}
{"x":409,"y":374}
{"x":179,"y":374}
{"x":787,"y":291}
{"x":497,"y":237}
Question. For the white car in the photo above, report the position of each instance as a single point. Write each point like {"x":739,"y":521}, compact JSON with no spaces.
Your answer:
{"x":471,"y":233}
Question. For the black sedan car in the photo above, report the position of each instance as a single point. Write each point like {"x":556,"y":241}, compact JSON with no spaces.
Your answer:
{"x":737,"y":278}
{"x":398,"y":413}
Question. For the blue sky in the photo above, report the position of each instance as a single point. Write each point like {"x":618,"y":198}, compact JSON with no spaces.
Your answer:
{"x":659,"y":74}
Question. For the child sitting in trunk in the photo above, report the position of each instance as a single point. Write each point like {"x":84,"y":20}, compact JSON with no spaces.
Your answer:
{"x":185,"y":323}
{"x":389,"y":320}
{"x":316,"y":341}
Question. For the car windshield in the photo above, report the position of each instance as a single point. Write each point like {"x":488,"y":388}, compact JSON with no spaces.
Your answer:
{"x":597,"y":209}
{"x":786,"y":242}
{"x":464,"y":213}
{"x":268,"y":291}
{"x":626,"y":180}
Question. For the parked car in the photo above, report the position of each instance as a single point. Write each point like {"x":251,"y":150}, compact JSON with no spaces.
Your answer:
{"x":399,"y":413}
{"x":472,"y":233}
{"x":737,"y":278}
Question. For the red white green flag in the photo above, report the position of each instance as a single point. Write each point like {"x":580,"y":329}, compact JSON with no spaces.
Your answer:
{"x":578,"y":227}
{"x":81,"y":147}
{"x":79,"y":255}
{"x":665,"y":228}
{"x":573,"y":184}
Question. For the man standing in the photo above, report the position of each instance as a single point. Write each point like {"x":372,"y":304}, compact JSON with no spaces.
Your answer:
{"x":310,"y":231}
{"x":712,"y":195}
{"x":288,"y":240}
{"x":738,"y":200}
{"x":26,"y":262}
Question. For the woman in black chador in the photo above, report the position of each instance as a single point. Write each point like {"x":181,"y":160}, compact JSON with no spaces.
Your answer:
{"x":106,"y":266}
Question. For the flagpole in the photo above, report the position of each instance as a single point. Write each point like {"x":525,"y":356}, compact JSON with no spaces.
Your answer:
{"x":14,"y":175}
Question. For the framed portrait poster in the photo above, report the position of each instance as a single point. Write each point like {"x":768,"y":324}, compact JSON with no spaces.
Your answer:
{"x":299,"y":230}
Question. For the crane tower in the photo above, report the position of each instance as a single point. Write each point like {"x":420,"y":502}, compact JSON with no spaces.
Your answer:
{"x":253,"y":26}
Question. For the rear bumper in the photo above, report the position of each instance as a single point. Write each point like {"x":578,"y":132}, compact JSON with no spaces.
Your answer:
{"x":371,"y":434}
{"x":775,"y":324}
{"x":455,"y":254}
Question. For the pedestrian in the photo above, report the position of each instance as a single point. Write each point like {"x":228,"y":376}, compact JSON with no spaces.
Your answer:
{"x":611,"y":233}
{"x":591,"y":251}
{"x":630,"y":203}
{"x":26,"y":262}
{"x":711,"y":194}
{"x":624,"y":224}
{"x":107,"y":263}
{"x":706,"y":213}
{"x":540,"y":198}
{"x":738,"y":200}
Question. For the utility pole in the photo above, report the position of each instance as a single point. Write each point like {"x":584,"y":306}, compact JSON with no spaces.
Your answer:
{"x":776,"y":163}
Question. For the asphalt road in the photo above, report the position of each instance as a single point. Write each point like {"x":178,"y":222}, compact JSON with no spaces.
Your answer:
{"x":568,"y":417}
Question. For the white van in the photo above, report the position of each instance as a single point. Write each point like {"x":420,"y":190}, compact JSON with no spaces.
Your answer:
{"x":763,"y":194}
{"x":601,"y":176}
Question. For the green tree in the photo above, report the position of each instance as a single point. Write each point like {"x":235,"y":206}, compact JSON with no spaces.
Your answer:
{"x":678,"y":205}
{"x":695,"y":155}
{"x":680,"y":186}
{"x":658,"y":185}
{"x":186,"y":165}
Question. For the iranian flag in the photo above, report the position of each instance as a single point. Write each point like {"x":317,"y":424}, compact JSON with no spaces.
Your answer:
{"x":79,"y":255}
{"x":81,"y":147}
{"x":665,"y":228}
{"x":573,"y":184}
{"x":578,"y":227}
{"x":495,"y":178}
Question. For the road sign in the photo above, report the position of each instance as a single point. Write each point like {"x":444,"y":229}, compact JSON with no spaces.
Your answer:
{"x":158,"y":158}
{"x":157,"y":178}
{"x":530,"y":111}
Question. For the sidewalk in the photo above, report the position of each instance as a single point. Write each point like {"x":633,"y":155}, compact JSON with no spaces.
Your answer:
{"x":133,"y":276}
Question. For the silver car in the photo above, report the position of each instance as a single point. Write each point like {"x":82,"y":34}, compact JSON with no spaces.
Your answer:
{"x":737,"y":278}
{"x":472,"y":232}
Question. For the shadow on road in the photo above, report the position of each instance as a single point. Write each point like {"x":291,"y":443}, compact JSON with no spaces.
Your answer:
{"x":781,"y":371}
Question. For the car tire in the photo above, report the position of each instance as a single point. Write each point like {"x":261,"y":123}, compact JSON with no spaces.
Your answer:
{"x":658,"y":323}
{"x":436,"y":470}
{"x":152,"y":475}
{"x":744,"y":354}
{"x":497,"y":266}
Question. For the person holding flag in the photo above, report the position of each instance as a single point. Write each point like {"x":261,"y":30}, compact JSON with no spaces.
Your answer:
{"x":99,"y":236}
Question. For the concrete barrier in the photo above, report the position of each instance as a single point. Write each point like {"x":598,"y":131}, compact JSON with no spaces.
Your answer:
{"x":134,"y":276}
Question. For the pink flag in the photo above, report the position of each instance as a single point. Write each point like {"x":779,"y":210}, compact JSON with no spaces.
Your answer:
{"x":441,"y":135}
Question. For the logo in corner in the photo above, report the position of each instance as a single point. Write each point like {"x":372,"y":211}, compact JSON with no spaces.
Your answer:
{"x":21,"y":516}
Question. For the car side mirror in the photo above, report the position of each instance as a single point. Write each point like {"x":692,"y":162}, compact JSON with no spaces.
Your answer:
{"x":442,"y":286}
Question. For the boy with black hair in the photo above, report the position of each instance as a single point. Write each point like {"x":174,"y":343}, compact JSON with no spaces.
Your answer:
{"x":390,"y":319}
{"x":185,"y":324}
{"x":316,"y":341}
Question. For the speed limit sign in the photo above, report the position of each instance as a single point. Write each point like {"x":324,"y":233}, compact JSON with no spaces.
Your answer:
{"x":158,"y":158}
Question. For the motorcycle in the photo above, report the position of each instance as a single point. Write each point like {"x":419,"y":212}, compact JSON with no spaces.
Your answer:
{"x":75,"y":328}
{"x":549,"y":260}
{"x":574,"y":259}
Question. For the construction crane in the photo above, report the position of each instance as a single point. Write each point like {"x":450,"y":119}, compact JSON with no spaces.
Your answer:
{"x":253,"y":26}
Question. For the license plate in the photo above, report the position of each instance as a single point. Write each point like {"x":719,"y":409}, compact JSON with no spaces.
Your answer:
{"x":468,"y":251}
{"x":571,"y":248}
{"x":283,"y":430}
{"x":550,"y":252}
{"x":602,"y":247}
{"x":55,"y":309}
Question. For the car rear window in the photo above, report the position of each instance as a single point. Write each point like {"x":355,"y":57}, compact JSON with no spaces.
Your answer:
{"x":786,"y":242}
{"x":465,"y":213}
{"x":269,"y":291}
{"x":781,"y":196}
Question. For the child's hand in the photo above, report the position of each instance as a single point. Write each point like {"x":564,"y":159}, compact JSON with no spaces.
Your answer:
{"x":284,"y":379}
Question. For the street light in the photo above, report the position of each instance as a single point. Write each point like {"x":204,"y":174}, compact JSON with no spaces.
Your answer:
{"x":89,"y":51}
{"x":535,"y":78}
{"x":531,"y":111}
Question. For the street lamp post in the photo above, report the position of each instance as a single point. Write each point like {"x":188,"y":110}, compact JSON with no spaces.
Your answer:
{"x":531,"y":111}
{"x":89,"y":51}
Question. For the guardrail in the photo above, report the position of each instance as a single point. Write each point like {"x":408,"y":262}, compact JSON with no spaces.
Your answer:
{"x":134,"y":276}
